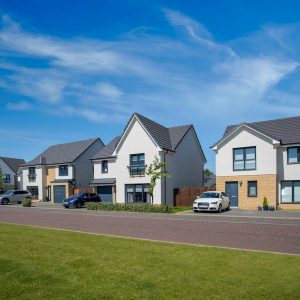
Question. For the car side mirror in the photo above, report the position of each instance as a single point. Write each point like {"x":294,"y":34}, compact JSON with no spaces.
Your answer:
{"x":198,"y":197}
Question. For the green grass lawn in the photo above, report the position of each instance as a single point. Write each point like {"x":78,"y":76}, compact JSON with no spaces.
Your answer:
{"x":178,"y":209}
{"x":49,"y":264}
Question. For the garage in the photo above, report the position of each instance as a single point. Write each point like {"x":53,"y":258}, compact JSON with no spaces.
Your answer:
{"x":59,"y":193}
{"x":105,"y":193}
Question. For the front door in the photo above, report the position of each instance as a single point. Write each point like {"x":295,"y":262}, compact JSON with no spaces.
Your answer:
{"x":231,"y":189}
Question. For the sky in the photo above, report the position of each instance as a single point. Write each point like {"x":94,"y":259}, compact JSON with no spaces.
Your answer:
{"x":73,"y":70}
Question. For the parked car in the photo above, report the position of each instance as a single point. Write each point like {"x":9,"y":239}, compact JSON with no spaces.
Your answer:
{"x":211,"y":201}
{"x":79,"y":199}
{"x":14,"y":196}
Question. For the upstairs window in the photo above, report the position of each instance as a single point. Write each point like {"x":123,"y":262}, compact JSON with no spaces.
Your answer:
{"x":6,"y":178}
{"x":63,"y":170}
{"x":244,"y":158}
{"x":293,"y":155}
{"x":137,"y":164}
{"x":31,"y":174}
{"x":104,"y":166}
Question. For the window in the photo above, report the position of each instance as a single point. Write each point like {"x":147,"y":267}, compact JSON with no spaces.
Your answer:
{"x":293,"y":155}
{"x":6,"y":178}
{"x":137,"y":164}
{"x":34,"y":190}
{"x":244,"y":159}
{"x":252,"y":188}
{"x":104,"y":166}
{"x":290,"y":192}
{"x":137,"y":193}
{"x":63,"y":170}
{"x":32,"y":174}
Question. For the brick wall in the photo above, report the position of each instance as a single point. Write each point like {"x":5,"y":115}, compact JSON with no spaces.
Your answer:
{"x":266,"y":186}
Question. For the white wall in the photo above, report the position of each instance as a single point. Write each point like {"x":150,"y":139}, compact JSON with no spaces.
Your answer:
{"x":137,"y":141}
{"x":70,"y":173}
{"x":112,"y":169}
{"x":39,"y":182}
{"x":185,"y":166}
{"x":286,"y":171}
{"x":83,"y":167}
{"x":266,"y":158}
{"x":7,"y":170}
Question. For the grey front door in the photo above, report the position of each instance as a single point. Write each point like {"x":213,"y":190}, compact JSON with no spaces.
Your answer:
{"x":59,"y":193}
{"x":232,"y":191}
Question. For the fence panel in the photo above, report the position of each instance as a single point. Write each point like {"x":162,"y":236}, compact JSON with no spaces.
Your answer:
{"x":186,"y":196}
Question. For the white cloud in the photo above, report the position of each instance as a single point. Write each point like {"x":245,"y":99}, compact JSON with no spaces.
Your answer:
{"x":22,"y":105}
{"x":106,"y":89}
{"x":186,"y":78}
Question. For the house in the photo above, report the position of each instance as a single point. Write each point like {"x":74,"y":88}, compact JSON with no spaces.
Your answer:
{"x":260,"y":159}
{"x":9,"y":167}
{"x":119,"y":168}
{"x":55,"y":173}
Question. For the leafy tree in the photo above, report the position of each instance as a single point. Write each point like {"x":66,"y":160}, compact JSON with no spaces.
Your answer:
{"x":156,"y":171}
{"x":208,"y":172}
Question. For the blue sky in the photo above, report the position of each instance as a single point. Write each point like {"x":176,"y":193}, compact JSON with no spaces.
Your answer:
{"x":72,"y":70}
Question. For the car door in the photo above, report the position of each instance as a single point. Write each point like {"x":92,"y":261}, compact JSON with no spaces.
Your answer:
{"x":15,"y":197}
{"x":225,"y":200}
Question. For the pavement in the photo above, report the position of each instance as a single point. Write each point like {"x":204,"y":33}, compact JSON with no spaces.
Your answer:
{"x":277,"y":231}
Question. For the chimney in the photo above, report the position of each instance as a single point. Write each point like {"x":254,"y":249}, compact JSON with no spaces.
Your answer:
{"x":42,"y":160}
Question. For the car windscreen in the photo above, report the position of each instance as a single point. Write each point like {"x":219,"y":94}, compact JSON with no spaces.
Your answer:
{"x":210,"y":195}
{"x":7,"y":193}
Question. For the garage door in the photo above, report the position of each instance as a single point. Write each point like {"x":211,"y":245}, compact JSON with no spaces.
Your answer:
{"x":105,"y":192}
{"x":59,"y":193}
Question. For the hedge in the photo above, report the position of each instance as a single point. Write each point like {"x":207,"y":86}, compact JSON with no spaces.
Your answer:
{"x":147,"y":208}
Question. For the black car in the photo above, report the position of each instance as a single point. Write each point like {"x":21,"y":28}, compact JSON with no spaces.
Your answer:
{"x":79,"y":199}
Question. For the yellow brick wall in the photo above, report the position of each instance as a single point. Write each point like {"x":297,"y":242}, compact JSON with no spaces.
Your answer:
{"x":295,"y":206}
{"x":50,"y":176}
{"x":266,"y":186}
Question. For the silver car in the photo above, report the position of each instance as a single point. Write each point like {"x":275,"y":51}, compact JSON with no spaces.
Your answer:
{"x":14,"y":196}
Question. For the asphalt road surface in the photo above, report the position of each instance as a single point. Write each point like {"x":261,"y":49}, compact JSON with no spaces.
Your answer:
{"x":274,"y":234}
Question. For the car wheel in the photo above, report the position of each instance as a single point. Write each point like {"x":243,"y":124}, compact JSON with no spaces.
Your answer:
{"x":78,"y":204}
{"x":5,"y":201}
{"x":228,"y":207}
{"x":220,"y":208}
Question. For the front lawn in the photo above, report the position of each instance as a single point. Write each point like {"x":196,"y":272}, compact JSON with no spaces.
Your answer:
{"x":50,"y":264}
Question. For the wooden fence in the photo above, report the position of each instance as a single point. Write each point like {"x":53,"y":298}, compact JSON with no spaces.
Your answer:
{"x":84,"y":190}
{"x":186,"y":196}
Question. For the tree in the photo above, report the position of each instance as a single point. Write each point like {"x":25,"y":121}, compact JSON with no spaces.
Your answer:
{"x":208,"y":172}
{"x":156,"y":170}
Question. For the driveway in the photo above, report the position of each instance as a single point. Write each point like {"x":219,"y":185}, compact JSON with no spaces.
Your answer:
{"x":273,"y":232}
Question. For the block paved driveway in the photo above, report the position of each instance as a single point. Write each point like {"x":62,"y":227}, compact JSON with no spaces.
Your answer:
{"x":275,"y":232}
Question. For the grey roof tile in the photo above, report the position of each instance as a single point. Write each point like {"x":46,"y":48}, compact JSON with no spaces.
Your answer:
{"x":13,"y":163}
{"x":62,"y":153}
{"x":285,"y":130}
{"x":108,"y":150}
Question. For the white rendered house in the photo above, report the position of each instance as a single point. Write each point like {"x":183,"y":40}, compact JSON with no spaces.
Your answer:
{"x":119,"y":168}
{"x":260,"y":159}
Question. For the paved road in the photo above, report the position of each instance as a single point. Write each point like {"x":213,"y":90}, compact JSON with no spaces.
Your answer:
{"x":276,"y":234}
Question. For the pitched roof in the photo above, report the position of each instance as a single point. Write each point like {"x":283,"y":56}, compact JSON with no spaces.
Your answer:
{"x":166,"y":138}
{"x":108,"y":150}
{"x":13,"y":163}
{"x":62,"y":153}
{"x":286,"y":130}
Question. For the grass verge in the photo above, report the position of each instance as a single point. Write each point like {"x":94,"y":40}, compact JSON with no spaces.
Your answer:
{"x":40,"y":263}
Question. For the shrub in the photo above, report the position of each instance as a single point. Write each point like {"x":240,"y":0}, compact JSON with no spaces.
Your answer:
{"x":91,"y":205}
{"x":26,"y":202}
{"x":265,"y":203}
{"x":147,"y":208}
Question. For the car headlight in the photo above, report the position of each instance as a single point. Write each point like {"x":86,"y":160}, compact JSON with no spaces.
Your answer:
{"x":215,"y":202}
{"x":195,"y":202}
